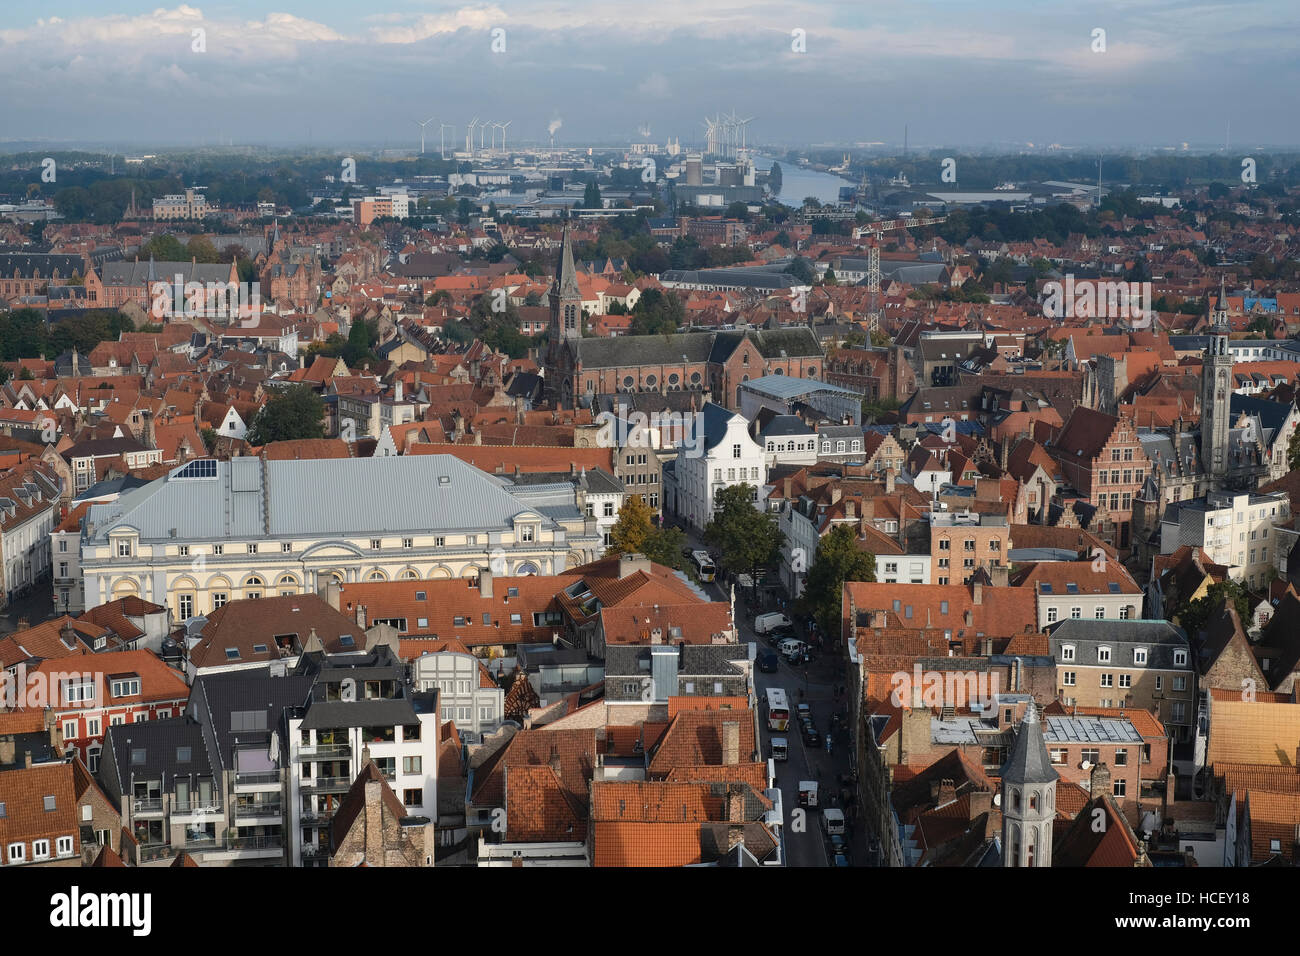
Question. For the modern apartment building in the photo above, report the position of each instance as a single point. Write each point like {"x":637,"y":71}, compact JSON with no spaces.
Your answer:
{"x":360,"y":707}
{"x":1238,"y":531}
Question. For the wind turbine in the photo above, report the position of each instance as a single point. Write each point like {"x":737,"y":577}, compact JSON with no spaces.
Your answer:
{"x":442,"y":143}
{"x":422,"y":126}
{"x":504,"y":127}
{"x":469,"y":136}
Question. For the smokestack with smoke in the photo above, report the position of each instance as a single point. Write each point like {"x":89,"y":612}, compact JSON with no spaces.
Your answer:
{"x":555,"y":124}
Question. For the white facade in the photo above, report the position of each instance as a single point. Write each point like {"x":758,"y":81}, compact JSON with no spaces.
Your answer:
{"x":792,"y":449}
{"x":1238,"y":531}
{"x":311,"y":791}
{"x":475,"y":709}
{"x":25,"y":546}
{"x":728,"y":456}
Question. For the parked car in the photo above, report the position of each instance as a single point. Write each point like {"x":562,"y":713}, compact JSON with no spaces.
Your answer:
{"x":810,"y":736}
{"x":768,"y":662}
{"x":840,"y":860}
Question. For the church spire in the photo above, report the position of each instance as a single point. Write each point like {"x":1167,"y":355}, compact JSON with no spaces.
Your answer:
{"x":566,"y":279}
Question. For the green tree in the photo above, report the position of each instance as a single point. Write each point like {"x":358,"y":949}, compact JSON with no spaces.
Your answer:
{"x":839,"y":559}
{"x":297,"y":412}
{"x":749,"y":539}
{"x":664,"y":546}
{"x":165,"y":248}
{"x":209,"y":436}
{"x":802,"y":270}
{"x":591,"y":195}
{"x":1293,"y":451}
{"x":1191,"y":616}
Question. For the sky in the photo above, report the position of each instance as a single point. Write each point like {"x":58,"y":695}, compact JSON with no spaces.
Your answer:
{"x":970,"y":73}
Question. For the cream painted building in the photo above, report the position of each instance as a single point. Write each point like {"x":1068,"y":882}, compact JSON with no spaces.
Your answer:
{"x":211,"y":532}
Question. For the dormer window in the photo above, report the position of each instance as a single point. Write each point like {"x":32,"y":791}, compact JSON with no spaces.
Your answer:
{"x":126,"y":687}
{"x":1139,"y":655}
{"x":1067,"y":652}
{"x":1103,"y":655}
{"x":1180,"y":658}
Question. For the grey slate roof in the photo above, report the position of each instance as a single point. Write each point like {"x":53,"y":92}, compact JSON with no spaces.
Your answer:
{"x":1029,"y":762}
{"x":137,"y":273}
{"x":160,"y":741}
{"x":39,"y":265}
{"x":1087,"y":635}
{"x":694,"y":347}
{"x":250,"y":498}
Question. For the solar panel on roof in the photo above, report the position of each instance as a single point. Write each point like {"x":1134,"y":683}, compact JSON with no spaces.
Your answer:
{"x":200,"y":468}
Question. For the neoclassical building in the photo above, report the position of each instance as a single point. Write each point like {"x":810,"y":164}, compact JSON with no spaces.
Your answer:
{"x":213,"y":531}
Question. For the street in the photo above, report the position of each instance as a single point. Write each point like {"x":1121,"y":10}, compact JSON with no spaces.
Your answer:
{"x":814,"y":684}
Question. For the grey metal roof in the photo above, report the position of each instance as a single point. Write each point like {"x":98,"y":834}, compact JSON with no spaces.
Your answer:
{"x":786,"y":387}
{"x":344,"y":496}
{"x":1073,"y":730}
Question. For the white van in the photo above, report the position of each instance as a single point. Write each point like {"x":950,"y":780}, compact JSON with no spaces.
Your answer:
{"x":780,"y":749}
{"x":833,"y":821}
{"x":791,"y":647}
{"x":770,"y":622}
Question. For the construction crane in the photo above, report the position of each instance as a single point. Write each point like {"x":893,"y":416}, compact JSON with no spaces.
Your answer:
{"x":877,"y":230}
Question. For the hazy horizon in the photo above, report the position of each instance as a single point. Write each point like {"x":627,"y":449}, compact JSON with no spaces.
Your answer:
{"x":1000,"y":75}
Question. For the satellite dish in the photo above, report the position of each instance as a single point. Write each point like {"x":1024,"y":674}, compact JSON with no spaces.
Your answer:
{"x":997,"y":799}
{"x":1086,"y":765}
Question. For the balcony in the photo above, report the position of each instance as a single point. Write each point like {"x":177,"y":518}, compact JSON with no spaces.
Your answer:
{"x":327,"y":784}
{"x":147,"y":806}
{"x":198,"y":844}
{"x":316,"y":817}
{"x":150,"y":852}
{"x":326,"y":752}
{"x":261,"y":780}
{"x":186,"y":808}
{"x":248,"y":811}
{"x":261,"y":845}
{"x":312,"y":854}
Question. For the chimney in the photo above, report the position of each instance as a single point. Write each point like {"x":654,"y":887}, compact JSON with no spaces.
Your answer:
{"x":735,"y":805}
{"x":889,"y":481}
{"x":981,"y":801}
{"x":836,"y":493}
{"x":361,"y":616}
{"x":332,"y":593}
{"x":1099,"y":782}
{"x":27,"y":760}
{"x":850,"y":508}
{"x":555,"y":759}
{"x":789,"y":485}
{"x":485,"y":583}
{"x":977,"y":592}
{"x":632,"y":563}
{"x":731,"y":742}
